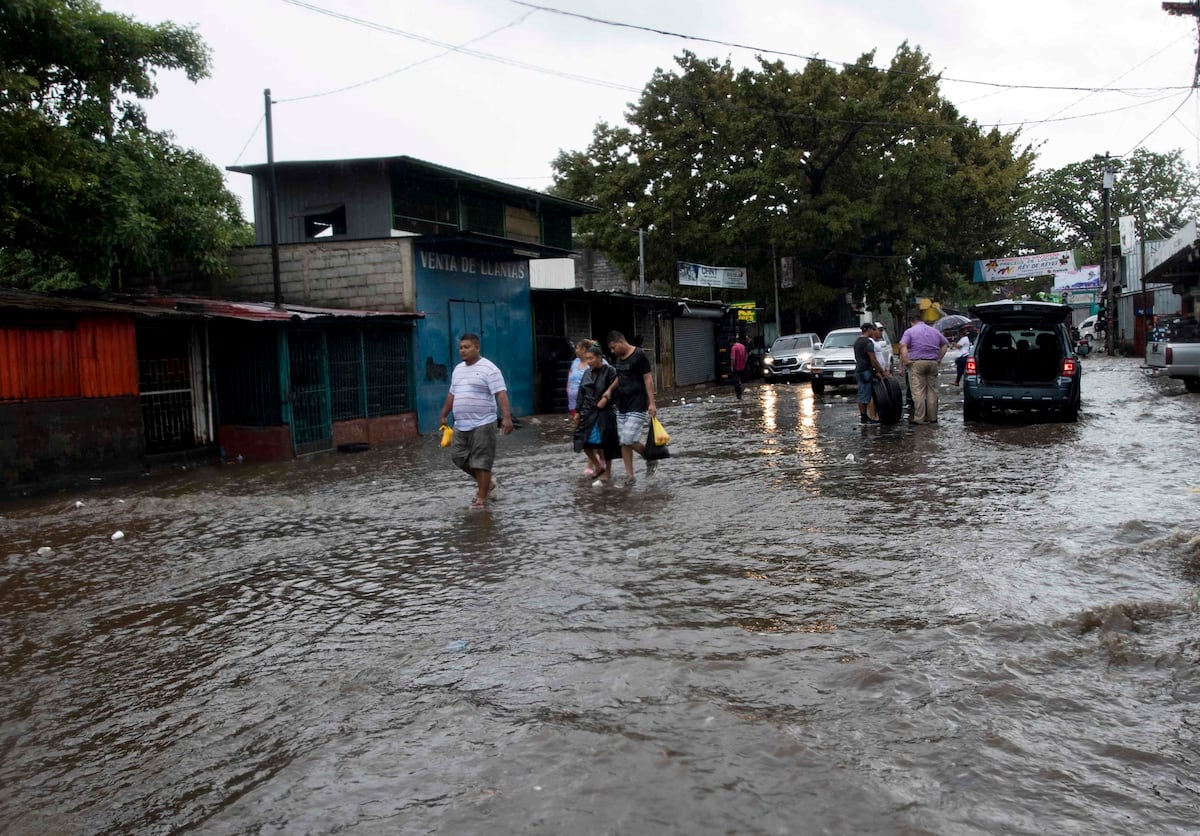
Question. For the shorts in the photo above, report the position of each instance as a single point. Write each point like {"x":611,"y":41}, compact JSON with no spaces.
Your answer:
{"x":631,"y":427}
{"x":474,"y":449}
{"x":865,"y":378}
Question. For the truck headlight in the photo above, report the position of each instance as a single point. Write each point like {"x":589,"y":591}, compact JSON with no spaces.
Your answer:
{"x":768,"y":361}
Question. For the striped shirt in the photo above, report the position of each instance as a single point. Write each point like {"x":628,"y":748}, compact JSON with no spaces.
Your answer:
{"x":474,"y":388}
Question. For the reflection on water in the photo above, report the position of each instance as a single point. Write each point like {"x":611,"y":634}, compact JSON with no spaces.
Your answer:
{"x":798,"y":625}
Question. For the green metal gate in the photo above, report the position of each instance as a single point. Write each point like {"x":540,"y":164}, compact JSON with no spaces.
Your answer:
{"x":309,"y":398}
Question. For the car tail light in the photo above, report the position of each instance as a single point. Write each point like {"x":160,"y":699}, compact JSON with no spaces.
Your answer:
{"x":1167,"y":355}
{"x":1070,"y":367}
{"x":972,"y":367}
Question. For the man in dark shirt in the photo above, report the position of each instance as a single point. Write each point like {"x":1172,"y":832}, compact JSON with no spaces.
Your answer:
{"x":866,"y":367}
{"x":634,"y":389}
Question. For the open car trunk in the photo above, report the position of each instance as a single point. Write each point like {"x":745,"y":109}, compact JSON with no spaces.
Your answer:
{"x":1019,"y":356}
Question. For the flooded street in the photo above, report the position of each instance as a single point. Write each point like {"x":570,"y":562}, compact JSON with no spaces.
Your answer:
{"x":799,"y":625}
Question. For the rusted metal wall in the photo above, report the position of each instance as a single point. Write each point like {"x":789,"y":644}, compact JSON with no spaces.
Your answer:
{"x":92,"y":357}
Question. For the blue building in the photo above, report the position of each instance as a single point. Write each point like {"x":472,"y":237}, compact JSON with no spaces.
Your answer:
{"x":405,"y":235}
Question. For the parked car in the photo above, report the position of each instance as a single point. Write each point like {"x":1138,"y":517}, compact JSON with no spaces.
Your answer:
{"x":1023,"y":361}
{"x":833,"y":365}
{"x":1175,"y":352}
{"x":1087,"y":329}
{"x":788,"y":357}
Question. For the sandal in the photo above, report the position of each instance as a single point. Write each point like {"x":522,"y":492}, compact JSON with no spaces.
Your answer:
{"x":589,"y":472}
{"x":477,"y":505}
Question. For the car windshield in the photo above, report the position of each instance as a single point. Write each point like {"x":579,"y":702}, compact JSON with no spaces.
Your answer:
{"x":844,"y":340}
{"x":791,"y":344}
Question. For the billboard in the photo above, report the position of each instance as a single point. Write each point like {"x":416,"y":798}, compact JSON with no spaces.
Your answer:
{"x":1085,"y":278}
{"x":1024,"y":266}
{"x":701,"y":275}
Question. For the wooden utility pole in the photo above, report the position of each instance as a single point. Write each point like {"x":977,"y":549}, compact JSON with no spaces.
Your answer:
{"x":1191,"y":9}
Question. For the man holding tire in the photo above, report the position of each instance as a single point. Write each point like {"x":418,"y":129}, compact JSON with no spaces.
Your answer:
{"x":866,"y":368}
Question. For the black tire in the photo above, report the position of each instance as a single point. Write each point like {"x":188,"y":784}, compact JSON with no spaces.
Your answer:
{"x":971,"y":412}
{"x":1192,"y":384}
{"x":889,"y":400}
{"x":818,"y":386}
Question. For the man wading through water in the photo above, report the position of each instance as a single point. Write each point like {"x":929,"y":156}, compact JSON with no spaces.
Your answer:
{"x":476,"y":386}
{"x":634,"y":399}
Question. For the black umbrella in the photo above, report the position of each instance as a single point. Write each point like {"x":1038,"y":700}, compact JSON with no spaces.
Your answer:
{"x":951,"y":321}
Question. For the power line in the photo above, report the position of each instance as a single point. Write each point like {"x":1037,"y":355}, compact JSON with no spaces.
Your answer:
{"x":1138,"y":144}
{"x":250,"y":138}
{"x":399,"y":70}
{"x":487,"y":56}
{"x":735,"y":45}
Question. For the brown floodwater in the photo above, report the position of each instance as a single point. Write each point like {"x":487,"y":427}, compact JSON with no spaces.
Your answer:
{"x":798,"y":625}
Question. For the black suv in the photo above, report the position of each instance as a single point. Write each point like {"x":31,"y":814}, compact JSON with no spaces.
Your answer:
{"x":1023,"y":361}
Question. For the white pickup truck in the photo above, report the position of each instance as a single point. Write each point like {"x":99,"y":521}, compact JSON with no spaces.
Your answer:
{"x":1175,"y":352}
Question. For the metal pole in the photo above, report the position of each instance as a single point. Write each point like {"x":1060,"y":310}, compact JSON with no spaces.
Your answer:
{"x":272,"y":200}
{"x":1145,"y":294}
{"x":1110,"y":313}
{"x":641,"y":261}
{"x":775,"y":284}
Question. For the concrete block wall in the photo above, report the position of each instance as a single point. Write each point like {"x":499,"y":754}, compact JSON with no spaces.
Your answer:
{"x":373,"y":275}
{"x":593,"y":271}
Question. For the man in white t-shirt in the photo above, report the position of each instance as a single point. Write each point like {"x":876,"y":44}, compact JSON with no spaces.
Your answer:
{"x":476,"y":386}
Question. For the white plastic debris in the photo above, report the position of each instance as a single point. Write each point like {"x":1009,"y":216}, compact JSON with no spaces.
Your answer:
{"x":79,"y":503}
{"x":599,"y":483}
{"x":850,"y":457}
{"x":44,"y":550}
{"x":118,"y":535}
{"x":633,"y":554}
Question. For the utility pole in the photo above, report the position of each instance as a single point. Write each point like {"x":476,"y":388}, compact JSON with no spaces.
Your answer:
{"x":641,"y":261}
{"x":1191,"y":9}
{"x":1110,"y":307}
{"x":273,"y":200}
{"x":775,"y":284}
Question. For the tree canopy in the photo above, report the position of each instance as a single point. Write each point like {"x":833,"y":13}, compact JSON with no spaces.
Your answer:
{"x":867,"y":177}
{"x":88,"y":193}
{"x":1064,"y":208}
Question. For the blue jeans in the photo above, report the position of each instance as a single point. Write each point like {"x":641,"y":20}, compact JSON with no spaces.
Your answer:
{"x":865,"y":378}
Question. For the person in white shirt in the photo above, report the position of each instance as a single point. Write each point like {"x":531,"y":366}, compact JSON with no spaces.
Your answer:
{"x":476,"y":386}
{"x":960,"y":362}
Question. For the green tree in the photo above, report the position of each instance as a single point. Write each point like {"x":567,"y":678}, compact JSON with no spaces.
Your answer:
{"x":1064,"y":208}
{"x":88,"y":194}
{"x":867,"y":177}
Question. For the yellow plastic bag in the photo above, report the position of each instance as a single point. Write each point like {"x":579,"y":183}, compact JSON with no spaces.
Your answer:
{"x":660,"y":435}
{"x":447,"y":435}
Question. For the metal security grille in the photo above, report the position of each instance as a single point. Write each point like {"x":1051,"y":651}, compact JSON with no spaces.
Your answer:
{"x":347,"y":391}
{"x":386,"y":365}
{"x":312,"y":427}
{"x":246,"y":375}
{"x":695,"y":351}
{"x":165,"y":389}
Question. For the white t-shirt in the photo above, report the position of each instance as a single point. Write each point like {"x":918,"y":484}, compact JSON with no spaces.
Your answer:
{"x":474,"y":388}
{"x":964,"y":343}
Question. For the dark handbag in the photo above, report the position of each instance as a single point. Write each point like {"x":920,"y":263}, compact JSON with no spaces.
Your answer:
{"x":654,"y":452}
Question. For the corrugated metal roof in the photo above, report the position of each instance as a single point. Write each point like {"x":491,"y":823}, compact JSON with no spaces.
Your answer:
{"x":267,"y":312}
{"x":27,"y":300}
{"x":187,"y":307}
{"x":423,"y":165}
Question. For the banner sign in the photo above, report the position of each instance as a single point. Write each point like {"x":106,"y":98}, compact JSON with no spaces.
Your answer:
{"x":1127,"y":230}
{"x":1085,"y":278}
{"x":1024,"y":266}
{"x":746,"y":311}
{"x":702,"y":275}
{"x":787,"y":273}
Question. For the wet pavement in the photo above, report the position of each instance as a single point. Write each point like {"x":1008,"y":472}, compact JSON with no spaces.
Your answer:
{"x":798,"y":625}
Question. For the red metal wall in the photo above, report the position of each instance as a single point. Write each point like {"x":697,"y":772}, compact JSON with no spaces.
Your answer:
{"x":97,"y":358}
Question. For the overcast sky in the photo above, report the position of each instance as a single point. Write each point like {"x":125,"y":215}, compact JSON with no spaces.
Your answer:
{"x":536,"y":82}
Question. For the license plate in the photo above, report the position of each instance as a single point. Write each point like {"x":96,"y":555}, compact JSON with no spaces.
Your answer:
{"x":839,"y":374}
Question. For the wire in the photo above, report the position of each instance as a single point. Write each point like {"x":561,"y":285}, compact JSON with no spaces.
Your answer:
{"x":599,"y":82}
{"x":1138,"y":144}
{"x":249,"y":139}
{"x":802,"y":56}
{"x":399,"y":70}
